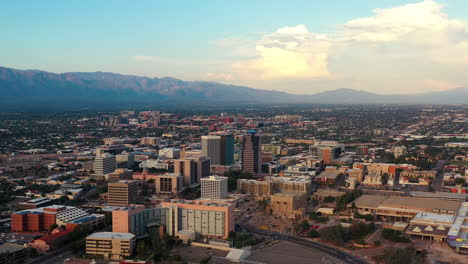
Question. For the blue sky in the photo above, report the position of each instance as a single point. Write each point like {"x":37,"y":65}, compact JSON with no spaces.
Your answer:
{"x":293,"y":46}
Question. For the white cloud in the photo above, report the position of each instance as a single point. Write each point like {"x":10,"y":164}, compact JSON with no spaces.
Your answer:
{"x":400,"y":45}
{"x":290,"y":52}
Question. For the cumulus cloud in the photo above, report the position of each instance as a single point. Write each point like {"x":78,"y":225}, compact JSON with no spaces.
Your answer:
{"x":411,"y":36}
{"x":290,"y":52}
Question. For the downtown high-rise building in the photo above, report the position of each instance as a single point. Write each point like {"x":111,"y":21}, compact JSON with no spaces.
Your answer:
{"x":104,"y":164}
{"x":122,"y":193}
{"x":252,"y":152}
{"x":219,"y":148}
{"x":211,"y":148}
{"x":193,"y":169}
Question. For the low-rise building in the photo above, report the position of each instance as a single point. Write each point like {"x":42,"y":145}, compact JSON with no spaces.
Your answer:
{"x":13,"y":252}
{"x":403,"y":208}
{"x":109,"y":244}
{"x":291,"y":205}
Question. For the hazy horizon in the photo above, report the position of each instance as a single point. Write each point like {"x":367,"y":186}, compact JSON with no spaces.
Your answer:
{"x":383,"y":47}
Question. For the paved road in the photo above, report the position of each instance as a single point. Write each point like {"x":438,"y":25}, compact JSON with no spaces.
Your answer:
{"x":341,"y":255}
{"x":55,"y":257}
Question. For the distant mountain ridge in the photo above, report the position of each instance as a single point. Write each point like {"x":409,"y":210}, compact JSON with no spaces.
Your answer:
{"x":75,"y":88}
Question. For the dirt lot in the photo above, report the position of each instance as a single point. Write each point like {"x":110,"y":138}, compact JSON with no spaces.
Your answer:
{"x":442,"y":252}
{"x":194,"y":254}
{"x":287,"y":252}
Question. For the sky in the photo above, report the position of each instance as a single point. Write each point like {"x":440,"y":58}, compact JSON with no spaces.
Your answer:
{"x":301,"y":47}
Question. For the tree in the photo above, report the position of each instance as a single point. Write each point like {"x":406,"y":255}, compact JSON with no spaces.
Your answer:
{"x":313,"y":233}
{"x":459,"y":181}
{"x":189,"y":242}
{"x":141,"y":248}
{"x":52,"y":227}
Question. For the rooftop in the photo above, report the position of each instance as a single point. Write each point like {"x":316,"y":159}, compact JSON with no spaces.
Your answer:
{"x":111,"y":235}
{"x":434,"y":217}
{"x":10,"y":248}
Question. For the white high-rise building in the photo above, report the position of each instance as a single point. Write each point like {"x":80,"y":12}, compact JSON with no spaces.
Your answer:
{"x":211,"y":148}
{"x":214,"y":187}
{"x":104,"y":164}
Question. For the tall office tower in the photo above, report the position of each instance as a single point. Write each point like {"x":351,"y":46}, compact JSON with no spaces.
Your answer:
{"x":122,"y":193}
{"x":211,"y":148}
{"x":326,"y":153}
{"x":104,"y":164}
{"x":219,"y":148}
{"x":227,"y":149}
{"x":193,"y":169}
{"x":214,"y":187}
{"x":252,"y":152}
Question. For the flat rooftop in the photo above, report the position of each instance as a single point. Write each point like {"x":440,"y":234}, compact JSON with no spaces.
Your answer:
{"x":434,"y":217}
{"x":420,"y":203}
{"x":371,"y":201}
{"x":406,"y":202}
{"x":111,"y":235}
{"x":10,"y":248}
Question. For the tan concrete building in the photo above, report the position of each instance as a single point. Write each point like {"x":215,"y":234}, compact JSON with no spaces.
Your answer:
{"x":152,"y":141}
{"x":356,"y":173}
{"x":254,"y":187}
{"x":291,"y":205}
{"x":123,"y":192}
{"x":321,"y":194}
{"x":379,"y":168}
{"x":122,"y":219}
{"x":403,"y":208}
{"x":372,"y":179}
{"x":169,"y":183}
{"x":272,"y":184}
{"x":418,"y":174}
{"x":119,"y":174}
{"x":111,"y":245}
{"x":206,"y":218}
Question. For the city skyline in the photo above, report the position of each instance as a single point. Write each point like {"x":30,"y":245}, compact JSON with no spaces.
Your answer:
{"x":382,"y":47}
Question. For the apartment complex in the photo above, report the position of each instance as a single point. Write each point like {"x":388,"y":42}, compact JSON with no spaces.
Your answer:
{"x":123,"y":192}
{"x":193,"y":169}
{"x":254,"y":187}
{"x":110,"y":244}
{"x":214,"y":187}
{"x":272,"y":184}
{"x":252,"y":152}
{"x":378,"y":168}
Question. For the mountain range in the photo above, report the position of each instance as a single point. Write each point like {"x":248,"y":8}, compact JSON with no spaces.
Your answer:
{"x":33,"y":88}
